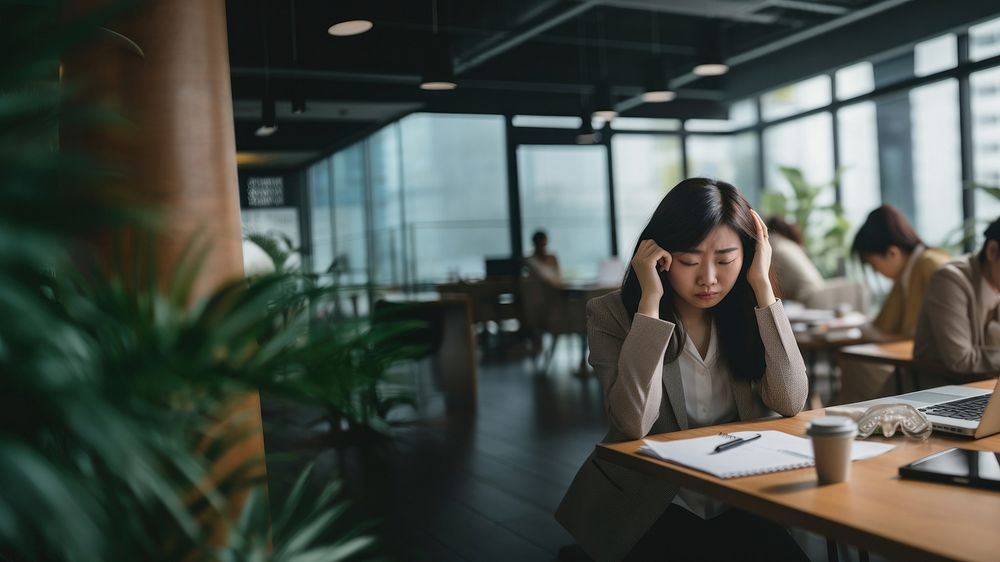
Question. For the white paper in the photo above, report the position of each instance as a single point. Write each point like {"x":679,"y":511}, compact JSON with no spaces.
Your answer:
{"x":773,"y":452}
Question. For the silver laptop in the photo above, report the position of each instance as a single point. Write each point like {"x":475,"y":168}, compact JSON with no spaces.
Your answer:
{"x":973,"y":412}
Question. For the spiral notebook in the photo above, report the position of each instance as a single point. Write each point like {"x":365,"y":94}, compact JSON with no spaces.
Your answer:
{"x":775,"y":451}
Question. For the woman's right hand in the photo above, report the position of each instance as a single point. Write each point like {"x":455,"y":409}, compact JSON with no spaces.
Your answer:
{"x":649,"y":260}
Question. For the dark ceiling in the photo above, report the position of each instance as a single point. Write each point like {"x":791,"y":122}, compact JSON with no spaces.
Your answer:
{"x":540,"y":56}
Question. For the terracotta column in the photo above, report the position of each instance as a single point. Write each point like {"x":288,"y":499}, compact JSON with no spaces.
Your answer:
{"x":168,"y":74}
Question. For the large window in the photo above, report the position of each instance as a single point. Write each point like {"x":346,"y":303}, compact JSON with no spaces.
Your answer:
{"x":985,"y":88}
{"x":937,"y":161}
{"x":564,"y":191}
{"x":859,"y":168}
{"x":984,"y":40}
{"x":804,"y":144}
{"x":796,"y":98}
{"x":854,"y":80}
{"x":455,"y":177}
{"x":646,"y":167}
{"x":730,"y":158}
{"x":935,"y":55}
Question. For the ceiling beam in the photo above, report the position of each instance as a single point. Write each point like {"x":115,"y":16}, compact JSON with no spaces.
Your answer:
{"x":502,"y":42}
{"x":744,"y":11}
{"x":815,"y":7}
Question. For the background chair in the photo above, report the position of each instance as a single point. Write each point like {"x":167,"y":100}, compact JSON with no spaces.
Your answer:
{"x":554,"y":311}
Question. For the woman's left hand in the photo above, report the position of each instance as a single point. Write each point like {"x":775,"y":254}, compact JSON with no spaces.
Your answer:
{"x":757,"y":275}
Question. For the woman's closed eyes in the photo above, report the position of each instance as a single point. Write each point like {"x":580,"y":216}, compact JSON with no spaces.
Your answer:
{"x":682,"y":262}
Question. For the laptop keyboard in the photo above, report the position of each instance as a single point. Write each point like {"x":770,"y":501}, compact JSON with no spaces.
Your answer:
{"x":963,"y":409}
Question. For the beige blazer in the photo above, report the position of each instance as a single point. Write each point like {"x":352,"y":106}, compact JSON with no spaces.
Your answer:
{"x":951,"y":345}
{"x":608,"y":508}
{"x":900,"y":313}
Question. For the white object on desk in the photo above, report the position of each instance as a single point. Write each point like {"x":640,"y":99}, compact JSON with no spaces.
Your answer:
{"x":775,"y":451}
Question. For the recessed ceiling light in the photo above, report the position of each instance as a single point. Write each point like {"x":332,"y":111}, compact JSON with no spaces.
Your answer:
{"x":350,"y":27}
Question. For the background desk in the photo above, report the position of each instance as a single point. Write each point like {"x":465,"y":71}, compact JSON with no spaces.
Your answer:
{"x":898,"y":354}
{"x":812,"y":346}
{"x":874,"y":509}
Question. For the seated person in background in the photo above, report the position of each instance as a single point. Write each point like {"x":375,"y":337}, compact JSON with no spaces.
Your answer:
{"x":541,"y":263}
{"x":958,"y":335}
{"x":888,"y":243}
{"x":796,"y":275}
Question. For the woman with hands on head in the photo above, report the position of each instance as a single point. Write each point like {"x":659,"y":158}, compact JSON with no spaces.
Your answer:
{"x":695,"y":337}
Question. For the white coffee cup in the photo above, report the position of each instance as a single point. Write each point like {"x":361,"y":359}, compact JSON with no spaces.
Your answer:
{"x":832,"y":437}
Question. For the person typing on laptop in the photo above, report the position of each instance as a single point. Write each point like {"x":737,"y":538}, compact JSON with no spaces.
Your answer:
{"x":958,"y":332}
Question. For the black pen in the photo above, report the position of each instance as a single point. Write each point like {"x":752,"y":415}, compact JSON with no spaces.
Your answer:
{"x":735,"y":443}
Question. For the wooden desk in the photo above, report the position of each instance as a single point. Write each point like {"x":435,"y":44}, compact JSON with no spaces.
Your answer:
{"x":812,"y":345}
{"x":874,"y":510}
{"x":450,"y":331}
{"x":898,"y":354}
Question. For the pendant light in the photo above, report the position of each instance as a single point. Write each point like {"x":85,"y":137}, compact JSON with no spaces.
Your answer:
{"x":269,"y":124}
{"x":586,"y":133}
{"x":298,"y":97}
{"x":710,"y":57}
{"x":656,"y":89}
{"x":438,"y":72}
{"x":604,"y":107}
{"x":350,"y":20}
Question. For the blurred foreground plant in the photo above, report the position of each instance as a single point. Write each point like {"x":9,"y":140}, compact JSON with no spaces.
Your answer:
{"x":111,"y":389}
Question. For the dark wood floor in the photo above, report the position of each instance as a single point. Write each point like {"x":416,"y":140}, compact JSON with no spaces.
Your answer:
{"x":481,"y":486}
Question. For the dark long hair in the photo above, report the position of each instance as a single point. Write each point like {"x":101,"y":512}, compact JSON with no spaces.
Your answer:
{"x":682,"y":220}
{"x":885,"y":226}
{"x":778,"y":225}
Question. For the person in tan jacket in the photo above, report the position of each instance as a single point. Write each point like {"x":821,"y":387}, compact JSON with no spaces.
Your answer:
{"x":889,"y":244}
{"x":695,"y":337}
{"x":958,"y":335}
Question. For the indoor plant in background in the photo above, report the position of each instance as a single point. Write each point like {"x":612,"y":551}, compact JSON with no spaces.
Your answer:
{"x":963,"y":236}
{"x":824,"y":227}
{"x":110,"y":384}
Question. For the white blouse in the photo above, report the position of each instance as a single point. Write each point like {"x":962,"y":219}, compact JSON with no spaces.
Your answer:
{"x":709,"y":400}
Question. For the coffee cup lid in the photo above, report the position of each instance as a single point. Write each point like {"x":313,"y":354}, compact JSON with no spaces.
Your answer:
{"x":831,"y":425}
